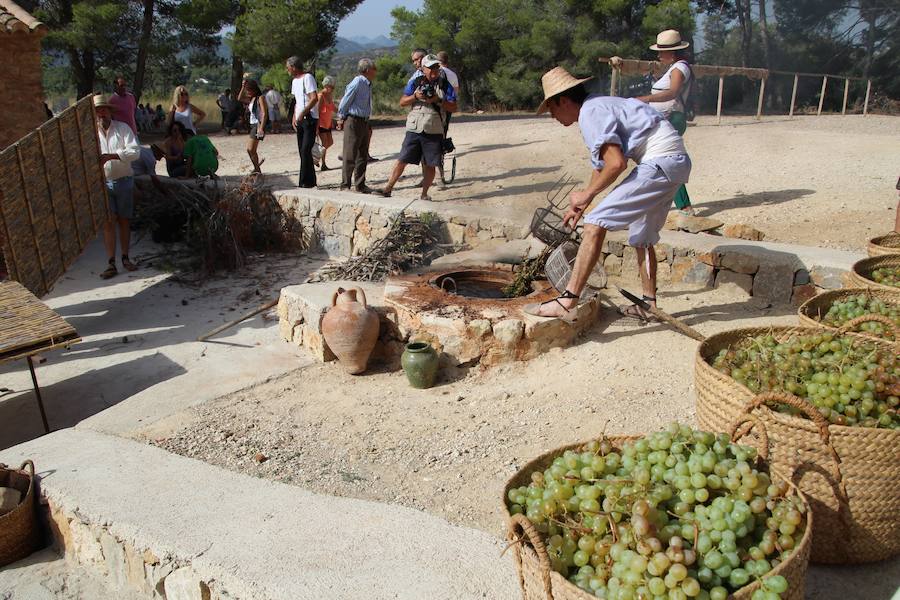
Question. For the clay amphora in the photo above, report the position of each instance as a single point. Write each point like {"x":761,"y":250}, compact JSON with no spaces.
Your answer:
{"x":350,"y":329}
{"x":420,"y":363}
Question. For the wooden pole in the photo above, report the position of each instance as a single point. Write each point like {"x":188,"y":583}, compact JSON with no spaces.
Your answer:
{"x":822,"y":95}
{"x":52,"y":200}
{"x":866,"y":103}
{"x":34,"y":238}
{"x":231,"y":324}
{"x":69,"y":183}
{"x":846,"y":91}
{"x":719,"y":101}
{"x":762,"y":91}
{"x":613,"y":81}
{"x":794,"y":94}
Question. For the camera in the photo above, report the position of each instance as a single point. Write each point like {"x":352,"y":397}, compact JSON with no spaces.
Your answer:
{"x":428,"y":90}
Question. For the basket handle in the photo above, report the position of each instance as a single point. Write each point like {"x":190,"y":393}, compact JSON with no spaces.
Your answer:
{"x":852,"y":323}
{"x":30,"y":465}
{"x":818,"y":420}
{"x":520,"y":522}
{"x":744,"y":425}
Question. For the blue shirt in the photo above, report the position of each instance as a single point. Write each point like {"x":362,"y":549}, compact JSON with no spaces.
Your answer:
{"x":357,"y":100}
{"x":446,"y":88}
{"x":625,"y":122}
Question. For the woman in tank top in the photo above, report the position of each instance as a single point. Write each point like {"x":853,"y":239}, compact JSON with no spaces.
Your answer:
{"x":326,"y":116}
{"x":183,"y":111}
{"x":669,"y":92}
{"x":259,"y":115}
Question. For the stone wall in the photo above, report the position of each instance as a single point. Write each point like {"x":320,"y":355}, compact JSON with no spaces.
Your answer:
{"x":20,"y":71}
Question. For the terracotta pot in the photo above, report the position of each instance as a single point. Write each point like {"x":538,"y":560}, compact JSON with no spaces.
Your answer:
{"x":350,"y":329}
{"x":420,"y":363}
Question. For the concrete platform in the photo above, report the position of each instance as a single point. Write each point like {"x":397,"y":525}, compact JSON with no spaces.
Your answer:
{"x":155,"y":522}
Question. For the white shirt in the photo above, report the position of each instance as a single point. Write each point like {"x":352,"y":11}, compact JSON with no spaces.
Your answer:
{"x":118,"y":139}
{"x":451,"y":76}
{"x":273,"y":98}
{"x":664,"y":83}
{"x":186,"y":118}
{"x":662,"y":141}
{"x":301,"y":87}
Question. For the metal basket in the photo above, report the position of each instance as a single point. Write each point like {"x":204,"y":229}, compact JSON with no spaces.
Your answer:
{"x":558,"y":267}
{"x":547,"y":223}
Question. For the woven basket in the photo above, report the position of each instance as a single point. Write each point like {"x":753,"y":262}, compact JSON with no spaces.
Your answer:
{"x":869,"y":458}
{"x":851,"y":476}
{"x":885,"y":244}
{"x":859,"y":275}
{"x":810,"y":312}
{"x":19,"y":533}
{"x":539,"y":582}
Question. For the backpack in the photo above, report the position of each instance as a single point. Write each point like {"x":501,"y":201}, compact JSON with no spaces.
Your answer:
{"x":687,"y":95}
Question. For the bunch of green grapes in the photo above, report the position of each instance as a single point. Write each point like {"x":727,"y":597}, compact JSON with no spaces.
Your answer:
{"x":856,"y":306}
{"x":850,"y":382}
{"x":674,"y":515}
{"x":887,"y":276}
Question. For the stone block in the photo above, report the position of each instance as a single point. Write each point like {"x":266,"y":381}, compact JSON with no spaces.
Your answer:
{"x":135,"y":575}
{"x":337,"y":245}
{"x":691,"y":224}
{"x":742,"y":232}
{"x":829,"y":278}
{"x":479,"y":328}
{"x":774,"y":283}
{"x":329,"y":212}
{"x":114,"y":556}
{"x":613,"y":264}
{"x":456,"y":233}
{"x":700,"y":273}
{"x":185,"y":584}
{"x":629,"y":262}
{"x":739,"y":262}
{"x":679,"y":267}
{"x":483,"y":235}
{"x":801,"y":277}
{"x":85,"y":546}
{"x":615,"y":247}
{"x":664,"y":252}
{"x":739,"y":283}
{"x":509,"y":331}
{"x":516,"y":232}
{"x":713,"y":259}
{"x":802,"y":293}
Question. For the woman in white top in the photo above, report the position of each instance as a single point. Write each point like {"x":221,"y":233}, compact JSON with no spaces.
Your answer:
{"x":669,"y":93}
{"x":183,"y":111}
{"x":259,"y":115}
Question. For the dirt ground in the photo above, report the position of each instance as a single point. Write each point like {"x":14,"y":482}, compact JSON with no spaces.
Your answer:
{"x":820,"y":181}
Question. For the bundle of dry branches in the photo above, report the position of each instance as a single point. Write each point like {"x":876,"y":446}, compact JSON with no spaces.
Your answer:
{"x":411,"y":241}
{"x":220,"y":226}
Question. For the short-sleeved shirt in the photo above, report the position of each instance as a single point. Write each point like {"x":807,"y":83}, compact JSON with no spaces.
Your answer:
{"x":451,"y":76}
{"x":123,"y":109}
{"x":301,"y":87}
{"x":638,"y":129}
{"x":664,"y":83}
{"x":202,"y":154}
{"x":145,"y":164}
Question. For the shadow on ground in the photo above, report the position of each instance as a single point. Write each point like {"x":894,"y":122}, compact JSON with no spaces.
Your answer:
{"x":747,"y":200}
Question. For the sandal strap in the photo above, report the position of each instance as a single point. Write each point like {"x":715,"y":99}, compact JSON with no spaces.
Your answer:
{"x":649,"y":298}
{"x":567,"y":295}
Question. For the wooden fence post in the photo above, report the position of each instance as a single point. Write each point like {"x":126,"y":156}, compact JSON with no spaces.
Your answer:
{"x":822,"y":95}
{"x":866,"y":103}
{"x":846,"y":91}
{"x":794,"y":95}
{"x":719,"y":101}
{"x":613,"y":81}
{"x":762,"y":91}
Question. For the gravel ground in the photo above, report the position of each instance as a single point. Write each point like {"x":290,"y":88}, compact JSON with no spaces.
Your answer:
{"x":820,"y":181}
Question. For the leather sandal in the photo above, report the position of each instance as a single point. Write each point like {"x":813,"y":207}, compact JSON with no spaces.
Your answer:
{"x":570,"y":314}
{"x":111,"y":270}
{"x":126,"y":262}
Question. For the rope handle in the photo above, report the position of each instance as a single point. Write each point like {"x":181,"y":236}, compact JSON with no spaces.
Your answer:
{"x":852,"y":323}
{"x":770,"y":398}
{"x":520,"y":522}
{"x":744,"y":425}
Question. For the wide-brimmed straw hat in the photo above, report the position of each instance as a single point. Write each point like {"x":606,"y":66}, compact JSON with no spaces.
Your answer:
{"x":669,"y":39}
{"x":556,"y":81}
{"x":101,"y":102}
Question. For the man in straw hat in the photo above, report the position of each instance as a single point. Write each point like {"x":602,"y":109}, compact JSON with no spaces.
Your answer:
{"x":614,"y":130}
{"x":118,"y":149}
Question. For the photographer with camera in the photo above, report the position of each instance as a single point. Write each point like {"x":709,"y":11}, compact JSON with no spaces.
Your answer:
{"x":430,"y":96}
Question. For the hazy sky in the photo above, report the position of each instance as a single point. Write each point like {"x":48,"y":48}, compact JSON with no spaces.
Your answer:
{"x":373,"y":18}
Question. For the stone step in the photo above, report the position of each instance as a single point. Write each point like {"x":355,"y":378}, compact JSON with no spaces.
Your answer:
{"x":159,"y":523}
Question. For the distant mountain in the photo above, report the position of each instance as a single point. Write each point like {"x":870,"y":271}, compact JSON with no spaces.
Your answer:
{"x":382,"y":41}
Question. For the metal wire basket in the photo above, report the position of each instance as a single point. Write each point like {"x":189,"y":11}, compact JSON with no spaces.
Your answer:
{"x":547,"y":223}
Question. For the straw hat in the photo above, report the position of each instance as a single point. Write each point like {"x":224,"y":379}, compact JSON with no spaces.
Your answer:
{"x":669,"y":39}
{"x":556,"y":81}
{"x":100,"y":102}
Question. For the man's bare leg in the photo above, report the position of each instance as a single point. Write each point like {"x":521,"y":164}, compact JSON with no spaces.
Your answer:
{"x":124,"y":235}
{"x":588,"y":254}
{"x":427,"y":179}
{"x":646,"y":259}
{"x":109,"y":236}
{"x":395,"y":176}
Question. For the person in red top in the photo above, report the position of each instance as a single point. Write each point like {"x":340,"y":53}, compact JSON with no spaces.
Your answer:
{"x":124,"y":104}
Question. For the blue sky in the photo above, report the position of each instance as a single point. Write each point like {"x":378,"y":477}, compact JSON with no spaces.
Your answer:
{"x":373,"y":18}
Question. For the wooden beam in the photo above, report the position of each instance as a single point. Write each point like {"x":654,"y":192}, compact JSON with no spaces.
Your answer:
{"x":613,"y":81}
{"x":866,"y":103}
{"x":794,"y":94}
{"x":719,"y":101}
{"x":846,"y":91}
{"x":762,"y":91}
{"x":822,"y":95}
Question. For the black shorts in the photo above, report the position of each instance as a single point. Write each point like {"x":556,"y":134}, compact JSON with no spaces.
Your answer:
{"x":417,"y":145}
{"x":254,"y":133}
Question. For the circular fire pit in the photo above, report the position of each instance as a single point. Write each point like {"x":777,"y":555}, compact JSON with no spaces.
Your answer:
{"x":464,"y":314}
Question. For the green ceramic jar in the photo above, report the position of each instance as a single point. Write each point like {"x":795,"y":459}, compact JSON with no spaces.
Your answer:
{"x":420,"y":363}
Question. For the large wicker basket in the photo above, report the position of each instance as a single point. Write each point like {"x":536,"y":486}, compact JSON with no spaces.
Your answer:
{"x":812,"y":311}
{"x":19,"y":533}
{"x":884,"y":244}
{"x":539,"y":582}
{"x":861,"y":273}
{"x":868,"y":460}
